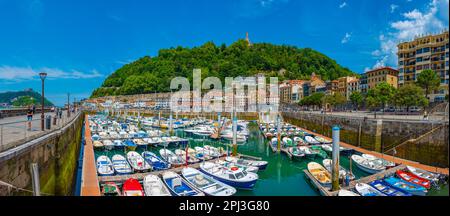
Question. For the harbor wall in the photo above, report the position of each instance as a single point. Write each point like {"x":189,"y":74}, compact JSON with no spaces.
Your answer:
{"x":382,"y":135}
{"x":56,"y":156}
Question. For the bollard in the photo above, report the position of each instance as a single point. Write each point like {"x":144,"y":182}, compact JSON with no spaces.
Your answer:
{"x":335,"y":159}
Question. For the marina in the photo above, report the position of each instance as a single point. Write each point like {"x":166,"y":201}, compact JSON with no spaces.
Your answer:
{"x":289,"y":175}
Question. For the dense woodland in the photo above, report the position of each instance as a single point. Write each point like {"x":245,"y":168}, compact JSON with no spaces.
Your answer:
{"x":150,"y":74}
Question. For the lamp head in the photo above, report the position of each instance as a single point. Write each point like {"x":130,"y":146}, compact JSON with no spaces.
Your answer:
{"x":43,"y":75}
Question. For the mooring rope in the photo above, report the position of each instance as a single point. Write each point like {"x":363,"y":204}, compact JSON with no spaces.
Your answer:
{"x":10,"y":186}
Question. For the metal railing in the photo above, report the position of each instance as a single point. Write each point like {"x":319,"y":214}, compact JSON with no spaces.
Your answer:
{"x":15,"y":133}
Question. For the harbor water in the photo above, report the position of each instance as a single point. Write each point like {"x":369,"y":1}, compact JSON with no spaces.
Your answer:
{"x":282,"y":177}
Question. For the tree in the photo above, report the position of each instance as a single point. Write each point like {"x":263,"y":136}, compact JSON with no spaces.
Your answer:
{"x":334,"y":99}
{"x":429,"y":81}
{"x":356,"y":98}
{"x":410,"y":95}
{"x":381,"y":95}
{"x":314,"y":99}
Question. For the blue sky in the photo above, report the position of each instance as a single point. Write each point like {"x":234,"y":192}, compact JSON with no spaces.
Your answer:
{"x":81,"y":42}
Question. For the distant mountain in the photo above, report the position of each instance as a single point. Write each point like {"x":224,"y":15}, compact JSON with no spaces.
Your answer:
{"x":23,"y":98}
{"x":150,"y":74}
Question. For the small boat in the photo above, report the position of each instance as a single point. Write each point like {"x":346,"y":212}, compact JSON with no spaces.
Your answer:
{"x":423,"y":174}
{"x":210,"y":153}
{"x":287,"y":142}
{"x":327,"y":163}
{"x":95,"y":137}
{"x":140,"y":142}
{"x":104,"y":166}
{"x":207,"y":184}
{"x":367,"y":165}
{"x":155,"y":162}
{"x":307,"y":151}
{"x":130,"y":145}
{"x":121,"y":165}
{"x":246,"y":162}
{"x":132,"y":187}
{"x":179,"y":186}
{"x":319,"y":173}
{"x":172,"y":158}
{"x":311,"y":140}
{"x":182,"y":153}
{"x":386,"y":189}
{"x":406,"y":186}
{"x":233,"y":176}
{"x":299,"y":141}
{"x":296,"y":152}
{"x":227,"y":164}
{"x":381,"y":161}
{"x":137,"y":162}
{"x":318,"y":150}
{"x":110,"y":189}
{"x":154,"y":186}
{"x":367,"y":190}
{"x":109,"y":145}
{"x":343,"y":192}
{"x":329,"y":148}
{"x":97,"y":144}
{"x":411,"y":178}
{"x":322,"y":140}
{"x":119,"y":143}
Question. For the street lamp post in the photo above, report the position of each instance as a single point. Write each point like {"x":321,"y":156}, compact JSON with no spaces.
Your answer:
{"x":42,"y":75}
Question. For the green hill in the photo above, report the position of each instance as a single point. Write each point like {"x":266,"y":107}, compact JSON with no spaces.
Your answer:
{"x":150,"y":74}
{"x":23,"y":98}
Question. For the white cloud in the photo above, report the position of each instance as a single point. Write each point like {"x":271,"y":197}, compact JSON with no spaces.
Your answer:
{"x":265,"y":3}
{"x":346,"y":38}
{"x":343,"y":4}
{"x":414,"y":23}
{"x":393,"y":7}
{"x":18,"y":74}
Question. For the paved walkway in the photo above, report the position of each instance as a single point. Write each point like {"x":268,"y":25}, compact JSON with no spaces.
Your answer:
{"x":380,"y":115}
{"x":13,"y":130}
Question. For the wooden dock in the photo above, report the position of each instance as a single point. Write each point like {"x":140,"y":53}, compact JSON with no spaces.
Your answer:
{"x":89,"y":180}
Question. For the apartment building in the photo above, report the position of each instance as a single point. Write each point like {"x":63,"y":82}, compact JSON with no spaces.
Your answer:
{"x":346,"y":85}
{"x":383,"y":74}
{"x":425,"y":52}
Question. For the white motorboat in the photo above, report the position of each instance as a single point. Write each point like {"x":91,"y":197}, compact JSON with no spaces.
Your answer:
{"x":104,"y":166}
{"x":366,"y":165}
{"x":207,"y":184}
{"x":137,"y":162}
{"x":121,"y":165}
{"x":154,"y":186}
{"x":367,"y":190}
{"x":233,"y":176}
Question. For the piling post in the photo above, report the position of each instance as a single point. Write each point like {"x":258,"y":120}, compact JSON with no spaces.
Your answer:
{"x":278,"y":133}
{"x":335,"y":159}
{"x":35,"y":179}
{"x":378,"y":131}
{"x":171,"y":123}
{"x":234,"y":135}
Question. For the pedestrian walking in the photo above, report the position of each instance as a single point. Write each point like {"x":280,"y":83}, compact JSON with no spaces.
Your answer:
{"x":29,"y":117}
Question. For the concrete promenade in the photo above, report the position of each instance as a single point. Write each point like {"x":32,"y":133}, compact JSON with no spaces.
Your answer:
{"x":13,"y":130}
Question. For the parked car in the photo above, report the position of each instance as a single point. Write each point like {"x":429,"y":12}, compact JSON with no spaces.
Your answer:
{"x":415,"y":109}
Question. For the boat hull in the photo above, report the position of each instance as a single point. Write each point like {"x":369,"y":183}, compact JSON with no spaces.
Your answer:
{"x":249,"y":185}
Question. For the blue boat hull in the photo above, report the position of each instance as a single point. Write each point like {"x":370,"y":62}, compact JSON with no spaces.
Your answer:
{"x":241,"y":185}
